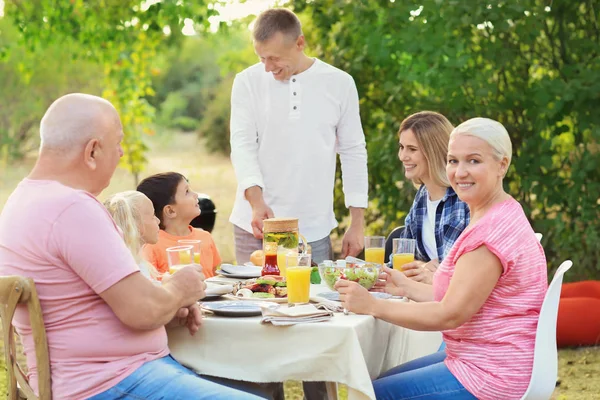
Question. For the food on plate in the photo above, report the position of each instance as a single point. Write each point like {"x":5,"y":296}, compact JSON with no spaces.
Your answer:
{"x":265,"y":287}
{"x":257,"y":257}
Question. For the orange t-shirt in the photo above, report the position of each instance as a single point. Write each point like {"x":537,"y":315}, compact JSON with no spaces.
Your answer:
{"x":156,"y":254}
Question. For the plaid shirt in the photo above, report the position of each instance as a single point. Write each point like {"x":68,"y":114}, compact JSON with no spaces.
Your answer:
{"x":451,"y":218}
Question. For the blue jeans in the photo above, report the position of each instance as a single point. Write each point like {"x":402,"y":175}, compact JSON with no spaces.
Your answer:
{"x":426,"y":378}
{"x":165,"y":378}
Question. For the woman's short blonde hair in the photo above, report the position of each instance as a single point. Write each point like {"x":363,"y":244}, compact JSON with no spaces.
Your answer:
{"x":490,"y":131}
{"x":432,"y":131}
{"x":123,"y":207}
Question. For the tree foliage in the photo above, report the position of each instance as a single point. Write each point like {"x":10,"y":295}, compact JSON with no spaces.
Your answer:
{"x":532,"y":65}
{"x":29,"y":82}
{"x":124,"y":36}
{"x":194,"y":84}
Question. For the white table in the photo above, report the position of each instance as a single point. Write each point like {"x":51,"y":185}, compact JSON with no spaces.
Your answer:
{"x":349,"y":349}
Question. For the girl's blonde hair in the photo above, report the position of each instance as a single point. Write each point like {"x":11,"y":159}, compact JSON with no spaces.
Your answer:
{"x":432,"y":131}
{"x":123,"y":207}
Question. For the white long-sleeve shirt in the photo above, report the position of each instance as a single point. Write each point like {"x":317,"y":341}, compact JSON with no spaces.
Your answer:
{"x":285,"y":137}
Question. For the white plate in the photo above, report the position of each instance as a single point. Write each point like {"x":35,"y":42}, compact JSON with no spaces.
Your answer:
{"x":214,"y":291}
{"x":234,"y":308}
{"x":240,"y":271}
{"x":271,"y":300}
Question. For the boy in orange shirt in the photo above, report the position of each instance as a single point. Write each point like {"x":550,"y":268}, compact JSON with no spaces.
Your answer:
{"x":176,"y":205}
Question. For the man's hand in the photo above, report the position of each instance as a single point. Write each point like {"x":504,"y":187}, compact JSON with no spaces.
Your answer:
{"x":260,"y":210}
{"x":188,"y":316}
{"x":353,"y":241}
{"x":354,"y":238}
{"x":260,"y":213}
{"x":188,"y":283}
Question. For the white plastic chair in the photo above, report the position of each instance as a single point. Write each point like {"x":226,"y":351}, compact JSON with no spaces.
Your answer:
{"x":545,"y":355}
{"x":539,"y":236}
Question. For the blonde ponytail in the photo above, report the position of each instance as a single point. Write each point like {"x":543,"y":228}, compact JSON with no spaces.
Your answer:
{"x":123,"y":207}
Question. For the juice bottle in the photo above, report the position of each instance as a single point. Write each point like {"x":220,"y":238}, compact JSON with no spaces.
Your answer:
{"x":270,"y":263}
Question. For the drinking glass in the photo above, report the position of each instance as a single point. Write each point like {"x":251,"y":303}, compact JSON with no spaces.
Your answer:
{"x":196,"y":246}
{"x":282,"y":255}
{"x":403,"y":252}
{"x":298,"y":278}
{"x":375,"y":249}
{"x":179,"y":257}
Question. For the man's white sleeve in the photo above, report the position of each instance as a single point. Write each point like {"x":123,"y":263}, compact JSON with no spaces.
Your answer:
{"x":352,"y":150}
{"x":244,"y":136}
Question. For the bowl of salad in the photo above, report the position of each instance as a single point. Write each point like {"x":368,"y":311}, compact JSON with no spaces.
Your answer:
{"x":365,"y":274}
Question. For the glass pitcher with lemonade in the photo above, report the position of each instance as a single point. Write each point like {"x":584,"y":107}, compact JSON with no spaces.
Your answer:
{"x":284,"y":234}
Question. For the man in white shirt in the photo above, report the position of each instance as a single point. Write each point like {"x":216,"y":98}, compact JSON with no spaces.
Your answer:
{"x":289,"y":119}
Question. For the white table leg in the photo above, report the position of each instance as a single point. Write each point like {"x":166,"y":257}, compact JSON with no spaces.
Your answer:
{"x":332,"y":390}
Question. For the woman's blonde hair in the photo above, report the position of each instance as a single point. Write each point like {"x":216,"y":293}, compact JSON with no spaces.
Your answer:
{"x":490,"y":131}
{"x":123,"y":207}
{"x":432,"y":131}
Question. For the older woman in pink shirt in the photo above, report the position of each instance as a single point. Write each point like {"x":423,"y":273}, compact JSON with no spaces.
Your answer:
{"x":486,"y":294}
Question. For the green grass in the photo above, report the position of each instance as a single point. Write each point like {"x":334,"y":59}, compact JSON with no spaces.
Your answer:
{"x":213,"y":174}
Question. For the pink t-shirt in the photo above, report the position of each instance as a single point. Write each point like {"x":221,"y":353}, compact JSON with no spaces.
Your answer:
{"x":67,"y":242}
{"x":492,"y":353}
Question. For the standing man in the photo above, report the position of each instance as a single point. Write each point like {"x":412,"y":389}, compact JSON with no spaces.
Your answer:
{"x":290,"y":117}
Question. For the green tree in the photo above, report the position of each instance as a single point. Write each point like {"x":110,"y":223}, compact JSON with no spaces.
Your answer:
{"x":30,"y":81}
{"x":124,"y":36}
{"x":194,"y":84}
{"x":532,"y":65}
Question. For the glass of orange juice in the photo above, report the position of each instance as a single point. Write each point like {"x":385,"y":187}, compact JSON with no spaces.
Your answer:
{"x":195,"y":244}
{"x":179,"y":257}
{"x":403,"y":252}
{"x":298,"y":270}
{"x":282,"y":259}
{"x":375,"y":249}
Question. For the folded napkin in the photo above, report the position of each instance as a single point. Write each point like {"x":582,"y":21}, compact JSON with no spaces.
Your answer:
{"x":284,"y":315}
{"x":325,"y":304}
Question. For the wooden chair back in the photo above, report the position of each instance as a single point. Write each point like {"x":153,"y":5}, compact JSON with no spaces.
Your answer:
{"x":16,"y":290}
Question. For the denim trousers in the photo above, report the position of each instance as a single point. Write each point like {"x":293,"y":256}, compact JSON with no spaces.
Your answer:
{"x":165,"y":378}
{"x":426,"y":378}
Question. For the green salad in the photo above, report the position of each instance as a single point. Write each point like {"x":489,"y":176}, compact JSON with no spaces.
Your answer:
{"x":365,"y":277}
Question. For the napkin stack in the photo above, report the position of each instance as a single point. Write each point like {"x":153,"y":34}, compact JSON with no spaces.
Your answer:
{"x":284,"y":316}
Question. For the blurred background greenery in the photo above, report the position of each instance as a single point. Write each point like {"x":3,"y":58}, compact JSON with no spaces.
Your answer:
{"x":168,"y":65}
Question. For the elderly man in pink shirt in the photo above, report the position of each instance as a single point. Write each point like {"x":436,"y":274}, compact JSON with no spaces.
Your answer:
{"x":104,"y":320}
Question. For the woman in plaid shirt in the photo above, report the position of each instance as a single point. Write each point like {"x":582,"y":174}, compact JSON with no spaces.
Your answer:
{"x":437,"y":216}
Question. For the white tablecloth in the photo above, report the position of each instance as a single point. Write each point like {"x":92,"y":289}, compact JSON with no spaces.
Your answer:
{"x":349,"y":349}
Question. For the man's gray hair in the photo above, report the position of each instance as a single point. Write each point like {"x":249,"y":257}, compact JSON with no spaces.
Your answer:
{"x":72,"y":120}
{"x":275,"y":20}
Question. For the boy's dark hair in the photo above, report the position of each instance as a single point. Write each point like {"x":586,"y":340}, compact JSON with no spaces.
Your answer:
{"x":161,"y":189}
